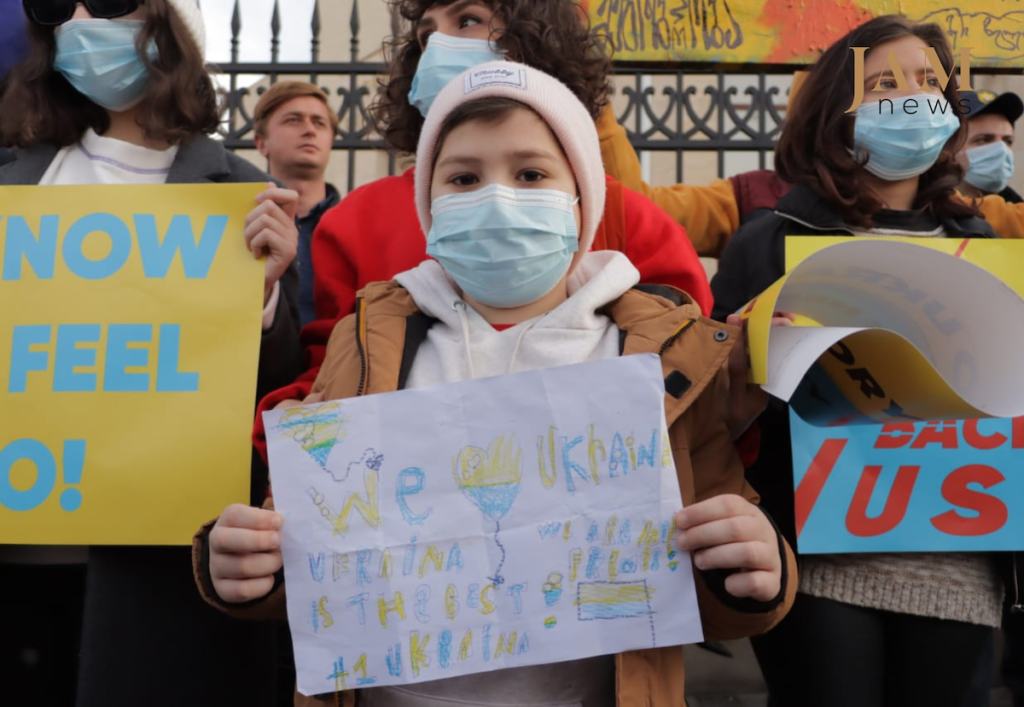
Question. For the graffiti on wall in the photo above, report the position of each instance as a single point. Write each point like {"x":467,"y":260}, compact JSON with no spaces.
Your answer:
{"x":794,"y":31}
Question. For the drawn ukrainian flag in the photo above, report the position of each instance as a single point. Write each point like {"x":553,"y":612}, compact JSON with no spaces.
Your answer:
{"x":613,"y":600}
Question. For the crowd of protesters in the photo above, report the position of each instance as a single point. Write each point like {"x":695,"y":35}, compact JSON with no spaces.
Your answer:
{"x":118,"y":92}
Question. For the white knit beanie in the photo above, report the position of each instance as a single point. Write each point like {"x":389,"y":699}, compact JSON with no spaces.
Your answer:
{"x":553,"y":102}
{"x":189,"y":13}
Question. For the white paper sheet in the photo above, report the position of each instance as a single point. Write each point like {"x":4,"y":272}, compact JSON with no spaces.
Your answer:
{"x":487,"y":524}
{"x":906,"y":332}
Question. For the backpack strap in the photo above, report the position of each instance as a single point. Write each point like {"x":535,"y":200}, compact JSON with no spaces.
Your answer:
{"x":416,"y":327}
{"x":663,"y":291}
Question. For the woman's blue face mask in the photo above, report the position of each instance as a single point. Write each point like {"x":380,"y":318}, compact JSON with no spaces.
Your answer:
{"x":445,"y":58}
{"x":99,"y":59}
{"x":899,"y":144}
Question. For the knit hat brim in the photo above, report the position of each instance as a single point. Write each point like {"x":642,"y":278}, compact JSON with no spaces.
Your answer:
{"x":557,"y":106}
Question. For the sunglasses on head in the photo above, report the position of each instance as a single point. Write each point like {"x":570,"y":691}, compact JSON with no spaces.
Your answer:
{"x":50,"y":13}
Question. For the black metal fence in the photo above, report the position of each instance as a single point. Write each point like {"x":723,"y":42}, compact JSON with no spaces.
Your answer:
{"x":664,"y":109}
{"x":702,"y":109}
{"x":679,"y":110}
{"x":355,"y":129}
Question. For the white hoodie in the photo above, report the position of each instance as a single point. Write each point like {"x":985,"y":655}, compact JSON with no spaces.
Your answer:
{"x":462,"y":345}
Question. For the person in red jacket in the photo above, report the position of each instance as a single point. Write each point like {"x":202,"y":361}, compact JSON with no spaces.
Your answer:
{"x":374,"y":232}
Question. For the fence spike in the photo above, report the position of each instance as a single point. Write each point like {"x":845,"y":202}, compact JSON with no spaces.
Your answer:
{"x":353,"y":24}
{"x":275,"y":32}
{"x":236,"y":30}
{"x":315,"y":27}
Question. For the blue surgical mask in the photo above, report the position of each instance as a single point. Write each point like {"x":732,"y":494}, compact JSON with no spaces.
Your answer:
{"x":504,"y":247}
{"x":903,"y":145}
{"x":989,"y":167}
{"x":98,"y":58}
{"x":445,"y":58}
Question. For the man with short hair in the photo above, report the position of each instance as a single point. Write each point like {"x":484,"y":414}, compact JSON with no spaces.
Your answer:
{"x":987,"y":156}
{"x":295,"y":129}
{"x":987,"y":159}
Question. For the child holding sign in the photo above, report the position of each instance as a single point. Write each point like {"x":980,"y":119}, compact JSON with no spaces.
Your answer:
{"x":509,"y":175}
{"x":375,"y":234}
{"x":117,"y":92}
{"x":871,"y":629}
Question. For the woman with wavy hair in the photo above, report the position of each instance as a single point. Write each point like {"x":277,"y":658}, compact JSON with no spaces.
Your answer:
{"x":117,"y":92}
{"x":374,"y":233}
{"x":868,"y":629}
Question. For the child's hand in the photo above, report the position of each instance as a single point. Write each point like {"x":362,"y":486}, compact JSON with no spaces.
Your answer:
{"x":746,"y":400}
{"x":245,"y":552}
{"x":270,"y":230}
{"x":294,"y":402}
{"x":731,"y":533}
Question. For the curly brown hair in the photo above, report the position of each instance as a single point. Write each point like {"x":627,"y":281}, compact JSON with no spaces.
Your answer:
{"x":808,"y":151}
{"x":551,"y":35}
{"x":39,"y":106}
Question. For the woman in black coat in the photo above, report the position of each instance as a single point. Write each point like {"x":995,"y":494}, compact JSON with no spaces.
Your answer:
{"x":874,"y":630}
{"x":147,"y":637}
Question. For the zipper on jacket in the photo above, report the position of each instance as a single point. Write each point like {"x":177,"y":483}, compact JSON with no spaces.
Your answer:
{"x":962,"y":232}
{"x":679,"y":332}
{"x":360,"y":343}
{"x":811,"y":225}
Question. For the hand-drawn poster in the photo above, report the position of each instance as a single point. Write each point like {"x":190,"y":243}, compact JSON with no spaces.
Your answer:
{"x":911,"y":485}
{"x":486,"y":524}
{"x":795,"y":31}
{"x":129,"y":340}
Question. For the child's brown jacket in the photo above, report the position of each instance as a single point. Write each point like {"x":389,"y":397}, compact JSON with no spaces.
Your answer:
{"x":371,"y":352}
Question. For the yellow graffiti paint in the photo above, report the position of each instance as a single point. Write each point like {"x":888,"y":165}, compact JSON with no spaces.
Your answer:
{"x":793,"y":31}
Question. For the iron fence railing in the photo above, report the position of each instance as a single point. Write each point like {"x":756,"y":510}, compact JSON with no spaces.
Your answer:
{"x":664,"y":109}
{"x":678,"y":109}
{"x":355,"y":127}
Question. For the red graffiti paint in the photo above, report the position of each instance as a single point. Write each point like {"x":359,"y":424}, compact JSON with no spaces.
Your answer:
{"x":810,"y":27}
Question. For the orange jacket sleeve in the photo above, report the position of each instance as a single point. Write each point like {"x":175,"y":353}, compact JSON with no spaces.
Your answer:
{"x":717,"y":469}
{"x":709,"y":214}
{"x":656,"y":245}
{"x":1006,"y":219}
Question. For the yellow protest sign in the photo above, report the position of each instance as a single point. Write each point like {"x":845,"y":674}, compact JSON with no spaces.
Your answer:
{"x":129,"y":342}
{"x":794,"y":31}
{"x":893,"y":329}
{"x":1002,"y":258}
